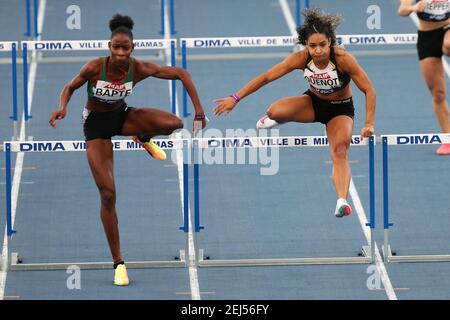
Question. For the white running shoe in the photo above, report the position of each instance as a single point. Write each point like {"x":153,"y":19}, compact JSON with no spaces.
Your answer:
{"x":266,"y":123}
{"x":342,"y":208}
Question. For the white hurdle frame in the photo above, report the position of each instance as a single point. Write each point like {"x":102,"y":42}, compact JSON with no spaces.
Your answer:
{"x":286,"y":41}
{"x":16,"y":263}
{"x":404,"y":140}
{"x":367,"y":253}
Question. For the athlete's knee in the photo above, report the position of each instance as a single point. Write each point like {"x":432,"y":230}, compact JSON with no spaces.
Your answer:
{"x":446,"y":48}
{"x":108,"y":197}
{"x":178,"y":124}
{"x":174,"y":124}
{"x":273,"y":113}
{"x":339,"y":152}
{"x":438,"y":95}
{"x":167,"y":126}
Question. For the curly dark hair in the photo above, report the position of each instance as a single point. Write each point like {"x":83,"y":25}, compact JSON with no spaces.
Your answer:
{"x":121,"y":24}
{"x":317,"y":21}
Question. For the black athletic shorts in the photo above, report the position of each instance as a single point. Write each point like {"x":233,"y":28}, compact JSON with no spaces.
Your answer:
{"x":104,"y":125}
{"x":325,"y":110}
{"x":429,"y":43}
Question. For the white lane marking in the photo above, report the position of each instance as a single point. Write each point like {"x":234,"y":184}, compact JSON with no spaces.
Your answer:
{"x":190,"y":258}
{"x":288,"y":16}
{"x":381,"y":268}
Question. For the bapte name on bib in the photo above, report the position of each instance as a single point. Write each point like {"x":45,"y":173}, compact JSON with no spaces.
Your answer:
{"x":112,"y":92}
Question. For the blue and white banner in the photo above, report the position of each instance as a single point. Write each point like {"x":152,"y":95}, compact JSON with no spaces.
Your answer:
{"x":6,"y":46}
{"x":273,"y":142}
{"x":417,"y":139}
{"x":86,"y":45}
{"x":289,"y":41}
{"x":66,"y":146}
{"x":174,"y":144}
{"x":239,"y":42}
{"x":221,"y":42}
{"x":229,"y":142}
{"x":377,"y":39}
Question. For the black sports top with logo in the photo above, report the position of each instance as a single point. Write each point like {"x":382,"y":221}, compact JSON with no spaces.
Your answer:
{"x":327,"y":80}
{"x":436,"y":10}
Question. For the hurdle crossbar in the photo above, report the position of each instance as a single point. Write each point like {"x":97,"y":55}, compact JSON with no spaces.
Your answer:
{"x":365,"y":259}
{"x":283,"y":41}
{"x":16,"y":263}
{"x":366,"y":254}
{"x":405,"y":140}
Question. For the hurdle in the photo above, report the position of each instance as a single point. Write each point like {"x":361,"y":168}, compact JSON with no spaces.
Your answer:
{"x":285,"y":41}
{"x":171,"y":8}
{"x":28,"y":18}
{"x":11,"y":46}
{"x":367,"y":254}
{"x":298,"y":10}
{"x":10,"y":147}
{"x":405,"y":140}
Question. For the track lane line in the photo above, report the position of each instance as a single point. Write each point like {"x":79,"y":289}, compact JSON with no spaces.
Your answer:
{"x":190,"y":257}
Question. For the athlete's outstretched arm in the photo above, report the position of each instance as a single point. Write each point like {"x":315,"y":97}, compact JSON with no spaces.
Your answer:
{"x":147,"y":69}
{"x":87,"y":71}
{"x":294,"y":61}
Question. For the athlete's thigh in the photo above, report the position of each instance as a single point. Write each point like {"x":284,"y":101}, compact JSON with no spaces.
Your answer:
{"x":148,"y":120}
{"x":339,"y":131}
{"x":298,"y":109}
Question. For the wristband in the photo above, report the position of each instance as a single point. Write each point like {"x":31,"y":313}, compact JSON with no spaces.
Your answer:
{"x":199,"y":117}
{"x":235,"y":97}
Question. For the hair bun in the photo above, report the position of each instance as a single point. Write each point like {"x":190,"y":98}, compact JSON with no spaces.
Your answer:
{"x":120,"y":21}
